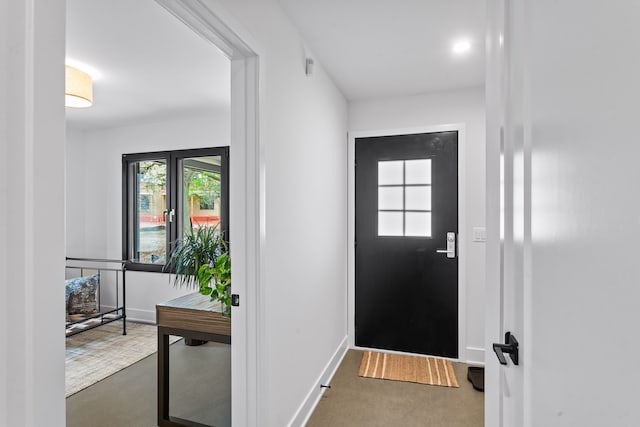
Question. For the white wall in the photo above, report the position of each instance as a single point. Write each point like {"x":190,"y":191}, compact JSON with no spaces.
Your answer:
{"x":94,"y":193}
{"x":32,"y":213}
{"x":75,"y":179}
{"x":303,"y":133}
{"x":4,"y":192}
{"x":460,"y":106}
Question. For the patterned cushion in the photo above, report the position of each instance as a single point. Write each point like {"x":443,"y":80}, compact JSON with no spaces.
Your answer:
{"x":81,"y":294}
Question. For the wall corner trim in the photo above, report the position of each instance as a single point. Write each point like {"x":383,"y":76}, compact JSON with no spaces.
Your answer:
{"x":312,"y":398}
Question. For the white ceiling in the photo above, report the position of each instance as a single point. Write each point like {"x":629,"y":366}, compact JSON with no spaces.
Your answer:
{"x":384,"y":48}
{"x":151,"y":65}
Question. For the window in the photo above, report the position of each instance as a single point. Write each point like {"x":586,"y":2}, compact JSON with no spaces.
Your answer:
{"x":167,"y":194}
{"x":404,"y":198}
{"x":144,"y":202}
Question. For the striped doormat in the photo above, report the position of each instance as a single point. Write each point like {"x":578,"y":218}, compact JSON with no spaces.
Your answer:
{"x":414,"y":369}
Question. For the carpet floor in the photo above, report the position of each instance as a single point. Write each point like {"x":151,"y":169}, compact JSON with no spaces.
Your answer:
{"x":200,"y":380}
{"x":353,"y":401}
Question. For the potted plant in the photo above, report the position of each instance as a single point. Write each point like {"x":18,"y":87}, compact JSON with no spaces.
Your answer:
{"x":202,"y":258}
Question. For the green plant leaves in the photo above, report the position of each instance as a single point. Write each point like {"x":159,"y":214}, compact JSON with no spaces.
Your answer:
{"x":205,"y":274}
{"x":202,"y":246}
{"x":202,"y":258}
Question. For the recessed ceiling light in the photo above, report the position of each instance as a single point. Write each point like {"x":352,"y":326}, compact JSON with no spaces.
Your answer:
{"x":461,"y":46}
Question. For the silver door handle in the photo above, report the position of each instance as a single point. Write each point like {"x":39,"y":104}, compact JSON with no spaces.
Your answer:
{"x":451,"y":246}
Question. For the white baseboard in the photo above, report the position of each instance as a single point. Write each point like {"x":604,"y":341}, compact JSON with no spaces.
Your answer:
{"x":475,"y":356}
{"x":313,"y":397}
{"x":137,"y":315}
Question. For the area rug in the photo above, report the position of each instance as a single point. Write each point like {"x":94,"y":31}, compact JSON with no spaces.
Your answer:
{"x":414,"y":369}
{"x":96,"y":354}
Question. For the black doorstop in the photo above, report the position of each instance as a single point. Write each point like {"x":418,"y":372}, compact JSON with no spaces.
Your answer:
{"x":475,"y":375}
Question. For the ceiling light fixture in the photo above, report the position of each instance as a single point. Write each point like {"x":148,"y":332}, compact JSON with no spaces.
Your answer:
{"x":78,"y":88}
{"x":94,"y":73}
{"x":461,"y":46}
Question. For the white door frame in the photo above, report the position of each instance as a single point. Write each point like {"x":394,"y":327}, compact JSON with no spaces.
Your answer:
{"x":462,"y":238}
{"x":32,"y":239}
{"x":247,"y":196}
{"x":495,"y":211}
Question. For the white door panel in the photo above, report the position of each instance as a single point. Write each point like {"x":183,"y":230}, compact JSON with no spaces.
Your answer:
{"x":567,"y":95}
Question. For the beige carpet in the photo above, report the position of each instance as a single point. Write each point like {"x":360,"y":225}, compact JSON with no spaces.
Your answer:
{"x":96,"y":354}
{"x":415,"y":369}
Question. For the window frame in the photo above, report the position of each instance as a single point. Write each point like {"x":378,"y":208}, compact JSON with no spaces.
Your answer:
{"x":174,"y":196}
{"x":403,"y":185}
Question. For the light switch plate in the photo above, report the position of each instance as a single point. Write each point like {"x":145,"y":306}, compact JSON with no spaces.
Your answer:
{"x":479,"y":234}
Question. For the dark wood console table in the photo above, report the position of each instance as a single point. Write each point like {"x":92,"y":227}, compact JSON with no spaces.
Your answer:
{"x":190,"y":316}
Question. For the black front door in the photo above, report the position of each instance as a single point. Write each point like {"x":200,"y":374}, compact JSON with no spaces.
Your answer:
{"x":406,"y":293}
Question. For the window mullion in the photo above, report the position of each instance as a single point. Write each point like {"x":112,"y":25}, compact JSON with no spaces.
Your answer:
{"x":224,"y":189}
{"x":404,"y":198}
{"x":172,"y":200}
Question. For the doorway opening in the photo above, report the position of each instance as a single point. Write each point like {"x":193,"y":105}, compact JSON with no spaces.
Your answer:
{"x":244,"y":177}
